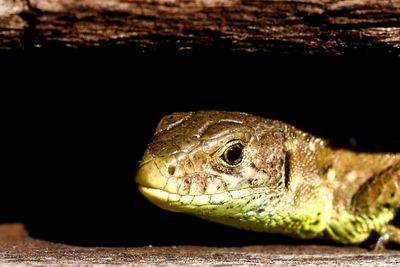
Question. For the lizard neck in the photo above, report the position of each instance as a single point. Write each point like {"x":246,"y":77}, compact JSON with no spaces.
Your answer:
{"x":348,"y":171}
{"x":347,"y":175}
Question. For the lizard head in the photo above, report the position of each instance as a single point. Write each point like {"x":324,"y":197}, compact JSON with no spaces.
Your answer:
{"x":228,"y":167}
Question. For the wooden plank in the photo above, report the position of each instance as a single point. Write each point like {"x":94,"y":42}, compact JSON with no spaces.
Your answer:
{"x":17,"y":248}
{"x":263,"y":26}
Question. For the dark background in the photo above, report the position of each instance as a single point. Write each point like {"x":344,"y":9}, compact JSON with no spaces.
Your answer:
{"x":75,"y":124}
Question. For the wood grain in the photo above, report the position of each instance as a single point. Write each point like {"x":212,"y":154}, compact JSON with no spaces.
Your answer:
{"x":22,"y":250}
{"x":262,"y":26}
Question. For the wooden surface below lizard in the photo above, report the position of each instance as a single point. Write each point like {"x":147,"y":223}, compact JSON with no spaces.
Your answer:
{"x":18,"y":249}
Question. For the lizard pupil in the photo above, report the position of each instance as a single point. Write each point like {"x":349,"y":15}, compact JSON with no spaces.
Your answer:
{"x":233,"y":155}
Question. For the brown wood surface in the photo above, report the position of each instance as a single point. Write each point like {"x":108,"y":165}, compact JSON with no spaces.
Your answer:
{"x":18,"y":249}
{"x":306,"y":27}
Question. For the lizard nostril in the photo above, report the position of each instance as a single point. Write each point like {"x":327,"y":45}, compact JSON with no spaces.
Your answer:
{"x":171,"y":169}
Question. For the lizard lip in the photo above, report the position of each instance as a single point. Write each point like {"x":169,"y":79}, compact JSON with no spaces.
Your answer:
{"x":154,"y":195}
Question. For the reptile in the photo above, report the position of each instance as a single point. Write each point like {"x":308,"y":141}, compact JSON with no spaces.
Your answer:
{"x":265,"y":175}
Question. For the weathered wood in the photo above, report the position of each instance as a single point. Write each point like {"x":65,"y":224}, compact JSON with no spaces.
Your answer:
{"x":18,"y":249}
{"x":280,"y":26}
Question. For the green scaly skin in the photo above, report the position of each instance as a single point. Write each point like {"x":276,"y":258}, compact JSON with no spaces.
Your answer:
{"x":282,"y":180}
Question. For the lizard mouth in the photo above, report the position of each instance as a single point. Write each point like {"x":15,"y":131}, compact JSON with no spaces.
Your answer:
{"x":200,"y":194}
{"x":182,"y":193}
{"x":149,"y":176}
{"x":163,"y":191}
{"x":188,"y":203}
{"x":178,"y":194}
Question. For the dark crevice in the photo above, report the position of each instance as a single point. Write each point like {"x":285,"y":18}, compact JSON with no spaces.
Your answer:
{"x":314,"y":19}
{"x":77,"y":153}
{"x":28,"y":36}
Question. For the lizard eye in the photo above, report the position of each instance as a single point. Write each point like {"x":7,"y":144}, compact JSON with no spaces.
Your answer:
{"x":233,"y":154}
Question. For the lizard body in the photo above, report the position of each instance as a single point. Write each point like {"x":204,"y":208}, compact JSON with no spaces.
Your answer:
{"x":264,"y":175}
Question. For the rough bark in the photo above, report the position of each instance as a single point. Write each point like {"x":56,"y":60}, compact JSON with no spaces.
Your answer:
{"x":279,"y":26}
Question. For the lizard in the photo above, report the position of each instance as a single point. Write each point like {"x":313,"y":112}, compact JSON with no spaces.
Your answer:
{"x":264,"y":175}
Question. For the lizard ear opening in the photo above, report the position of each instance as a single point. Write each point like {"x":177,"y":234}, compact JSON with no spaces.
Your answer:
{"x":287,"y":168}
